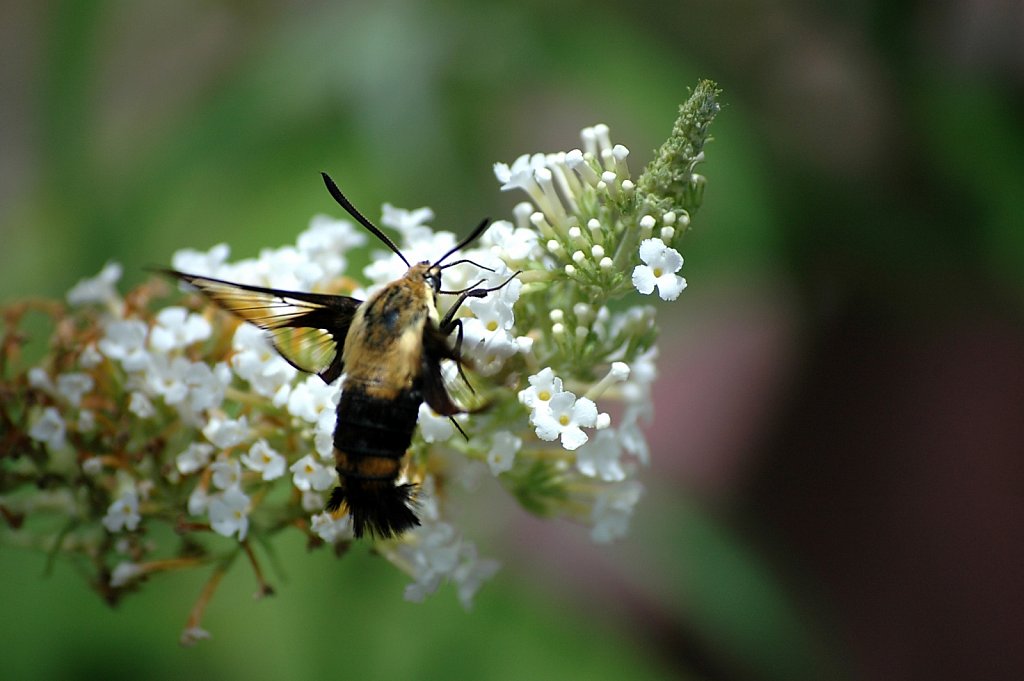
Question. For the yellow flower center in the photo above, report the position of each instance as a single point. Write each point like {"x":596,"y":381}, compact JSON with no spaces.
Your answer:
{"x":544,"y":396}
{"x":657,"y":271}
{"x":563,"y":419}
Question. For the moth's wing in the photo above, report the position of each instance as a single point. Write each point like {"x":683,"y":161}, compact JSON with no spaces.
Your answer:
{"x":307,"y":329}
{"x":442,"y":380}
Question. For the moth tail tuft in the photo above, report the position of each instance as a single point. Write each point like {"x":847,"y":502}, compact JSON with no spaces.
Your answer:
{"x":385,"y":511}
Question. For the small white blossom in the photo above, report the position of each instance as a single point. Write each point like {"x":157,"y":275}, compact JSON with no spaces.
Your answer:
{"x":123,"y":513}
{"x":198,"y":501}
{"x":310,"y":398}
{"x":125,"y":342}
{"x":327,"y":240}
{"x":601,"y":458}
{"x":177,"y":328}
{"x":229,"y":513}
{"x":613,"y":509}
{"x":310,"y":474}
{"x":227,"y":473}
{"x":74,"y":385}
{"x":49,"y":428}
{"x":99,"y":289}
{"x":434,"y":427}
{"x":194,"y":458}
{"x":193,"y":635}
{"x":90,"y":357}
{"x":224,"y":432}
{"x":124,"y":573}
{"x":502,"y":454}
{"x":263,"y":459}
{"x":565,"y":418}
{"x":166,"y":377}
{"x":409,"y":223}
{"x":323,"y":435}
{"x":312,"y":501}
{"x":207,"y":263}
{"x":543,"y":386}
{"x":39,"y":379}
{"x":257,"y":362}
{"x":661,"y":265}
{"x":140,"y":405}
{"x":86,"y":422}
{"x":332,"y":530}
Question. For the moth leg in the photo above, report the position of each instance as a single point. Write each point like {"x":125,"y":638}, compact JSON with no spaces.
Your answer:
{"x":457,"y":326}
{"x":458,"y":427}
{"x":447,"y":324}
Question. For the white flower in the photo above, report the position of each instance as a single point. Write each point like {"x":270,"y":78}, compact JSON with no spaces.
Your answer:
{"x":198,"y":501}
{"x":613,"y":509}
{"x":90,"y":357}
{"x":327,"y":240}
{"x":564,"y":419}
{"x":263,"y":459}
{"x":661,"y":265}
{"x":206,"y":385}
{"x":323,"y":435}
{"x":99,"y":289}
{"x":74,"y":385}
{"x":601,"y":458}
{"x":86,"y":421}
{"x":409,"y":223}
{"x":198,"y":262}
{"x":434,"y":427}
{"x":502,"y":454}
{"x":229,"y":513}
{"x":166,"y":377}
{"x":227,"y":473}
{"x":516,"y":244}
{"x":310,"y":398}
{"x":194,"y":458}
{"x":471,"y":573}
{"x":125,"y":572}
{"x":125,"y":341}
{"x":256,"y":361}
{"x":543,"y":386}
{"x":140,"y":405}
{"x":224,"y":433}
{"x":331,"y":529}
{"x":310,"y":474}
{"x":177,"y":328}
{"x":123,"y":513}
{"x":49,"y":429}
{"x":193,"y":635}
{"x":434,"y":556}
{"x":492,"y":317}
{"x":489,"y":355}
{"x":39,"y":379}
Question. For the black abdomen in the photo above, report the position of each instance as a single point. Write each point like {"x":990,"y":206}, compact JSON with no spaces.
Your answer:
{"x":371,"y":437}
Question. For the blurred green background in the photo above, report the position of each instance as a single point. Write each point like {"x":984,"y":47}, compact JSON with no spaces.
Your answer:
{"x":837,"y":488}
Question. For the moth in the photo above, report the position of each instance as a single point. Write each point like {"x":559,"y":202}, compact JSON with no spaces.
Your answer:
{"x":390,"y":349}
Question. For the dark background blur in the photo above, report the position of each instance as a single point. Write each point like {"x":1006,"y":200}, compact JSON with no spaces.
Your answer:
{"x":837,"y":488}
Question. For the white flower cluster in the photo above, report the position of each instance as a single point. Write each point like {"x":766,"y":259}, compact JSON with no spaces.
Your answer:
{"x":592,"y":241}
{"x":183,"y":416}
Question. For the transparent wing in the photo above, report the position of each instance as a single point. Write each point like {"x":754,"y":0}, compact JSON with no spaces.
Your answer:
{"x":307,"y":329}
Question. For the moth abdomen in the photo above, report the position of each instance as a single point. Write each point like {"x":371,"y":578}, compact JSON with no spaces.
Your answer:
{"x":371,"y":438}
{"x":380,"y":507}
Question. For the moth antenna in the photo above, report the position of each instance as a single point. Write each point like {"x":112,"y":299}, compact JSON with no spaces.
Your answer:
{"x":471,"y":262}
{"x":468,"y":240}
{"x":361,"y":219}
{"x":463,"y":290}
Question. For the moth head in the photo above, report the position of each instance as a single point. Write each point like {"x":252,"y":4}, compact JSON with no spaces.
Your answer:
{"x":430,"y":272}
